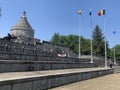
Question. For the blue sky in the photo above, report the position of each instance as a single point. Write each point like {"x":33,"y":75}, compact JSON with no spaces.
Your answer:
{"x":49,"y":16}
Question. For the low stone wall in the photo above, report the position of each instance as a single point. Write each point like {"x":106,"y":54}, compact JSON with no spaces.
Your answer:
{"x":116,"y":69}
{"x":14,"y":56}
{"x":41,"y":49}
{"x":18,"y":66}
{"x":49,"y":81}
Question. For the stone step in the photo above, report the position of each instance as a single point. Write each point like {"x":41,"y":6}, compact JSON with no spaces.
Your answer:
{"x":43,"y":80}
{"x":21,"y":65}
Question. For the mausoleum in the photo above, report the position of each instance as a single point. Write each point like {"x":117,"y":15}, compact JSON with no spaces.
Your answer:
{"x":23,"y":31}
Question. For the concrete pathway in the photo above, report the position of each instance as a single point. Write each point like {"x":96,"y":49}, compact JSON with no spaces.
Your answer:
{"x":108,"y":82}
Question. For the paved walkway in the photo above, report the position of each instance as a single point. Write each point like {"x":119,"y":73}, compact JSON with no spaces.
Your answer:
{"x":108,"y":82}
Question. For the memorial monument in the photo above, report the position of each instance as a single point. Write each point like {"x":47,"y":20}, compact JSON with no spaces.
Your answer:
{"x":26,"y":63}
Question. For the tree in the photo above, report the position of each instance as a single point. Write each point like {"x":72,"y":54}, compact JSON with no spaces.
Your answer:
{"x":98,"y":42}
{"x":55,"y":39}
{"x":72,"y":41}
{"x":117,"y":52}
{"x":85,"y":46}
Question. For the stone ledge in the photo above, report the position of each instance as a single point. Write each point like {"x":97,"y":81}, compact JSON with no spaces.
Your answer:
{"x":47,"y":79}
{"x":19,"y":66}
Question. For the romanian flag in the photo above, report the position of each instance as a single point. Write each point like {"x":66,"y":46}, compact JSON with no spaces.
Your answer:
{"x":79,"y":12}
{"x":101,"y":12}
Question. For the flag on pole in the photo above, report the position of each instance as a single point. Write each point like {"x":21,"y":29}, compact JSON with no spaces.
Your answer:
{"x":90,"y":13}
{"x":79,"y":12}
{"x":101,"y":12}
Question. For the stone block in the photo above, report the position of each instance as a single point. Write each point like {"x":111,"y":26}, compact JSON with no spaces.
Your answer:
{"x":64,"y":80}
{"x":55,"y":81}
{"x":46,"y":66}
{"x":5,"y":67}
{"x":36,"y":85}
{"x":43,"y":83}
{"x":36,"y":67}
{"x":71,"y":78}
{"x":88,"y":75}
{"x":6,"y":87}
{"x":23,"y":67}
{"x":15,"y":67}
{"x":79,"y":76}
{"x":22,"y":86}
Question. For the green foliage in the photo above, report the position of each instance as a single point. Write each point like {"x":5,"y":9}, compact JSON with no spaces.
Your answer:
{"x":117,"y":52}
{"x":85,"y":46}
{"x":98,"y":42}
{"x":72,"y":41}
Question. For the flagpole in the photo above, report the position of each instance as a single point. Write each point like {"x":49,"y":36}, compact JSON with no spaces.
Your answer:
{"x":79,"y":36}
{"x":105,"y":41}
{"x":91,"y":36}
{"x":0,"y":12}
{"x":114,"y":57}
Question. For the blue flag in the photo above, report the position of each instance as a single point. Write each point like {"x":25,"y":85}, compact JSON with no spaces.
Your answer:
{"x":114,"y":32}
{"x":90,"y":13}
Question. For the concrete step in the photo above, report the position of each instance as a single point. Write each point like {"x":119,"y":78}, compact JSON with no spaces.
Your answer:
{"x":43,"y":80}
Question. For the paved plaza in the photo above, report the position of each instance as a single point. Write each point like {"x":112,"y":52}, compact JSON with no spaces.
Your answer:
{"x":108,"y":82}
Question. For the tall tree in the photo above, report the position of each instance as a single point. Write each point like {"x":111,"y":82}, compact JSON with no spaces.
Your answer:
{"x":98,"y":41}
{"x":55,"y":39}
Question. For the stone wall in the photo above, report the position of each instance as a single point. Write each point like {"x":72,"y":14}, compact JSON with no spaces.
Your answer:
{"x":19,"y":66}
{"x":42,"y":49}
{"x":116,"y":69}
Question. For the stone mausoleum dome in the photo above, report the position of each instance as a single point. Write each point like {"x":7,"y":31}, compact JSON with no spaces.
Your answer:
{"x":23,"y":30}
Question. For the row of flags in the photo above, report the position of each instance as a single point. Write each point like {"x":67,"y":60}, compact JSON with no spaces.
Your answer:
{"x":101,"y":12}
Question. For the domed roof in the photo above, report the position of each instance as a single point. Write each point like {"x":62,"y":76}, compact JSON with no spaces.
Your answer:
{"x":22,"y":23}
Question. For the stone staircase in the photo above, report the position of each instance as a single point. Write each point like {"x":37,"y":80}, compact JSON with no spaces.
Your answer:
{"x":47,"y":73}
{"x":43,"y":80}
{"x":30,"y":67}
